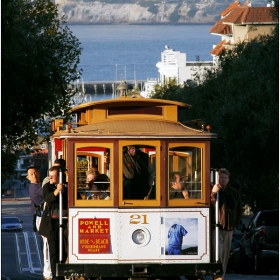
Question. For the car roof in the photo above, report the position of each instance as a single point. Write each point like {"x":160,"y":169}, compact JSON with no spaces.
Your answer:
{"x":13,"y":217}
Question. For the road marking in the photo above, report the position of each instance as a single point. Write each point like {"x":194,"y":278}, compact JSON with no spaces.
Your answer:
{"x":28,"y":252}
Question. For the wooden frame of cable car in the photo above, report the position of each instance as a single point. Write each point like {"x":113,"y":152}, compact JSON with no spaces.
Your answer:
{"x":104,"y":123}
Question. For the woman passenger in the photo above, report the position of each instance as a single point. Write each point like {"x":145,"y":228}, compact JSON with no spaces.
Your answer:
{"x":91,"y":174}
{"x":100,"y":187}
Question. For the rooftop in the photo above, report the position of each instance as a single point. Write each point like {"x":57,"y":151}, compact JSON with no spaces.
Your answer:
{"x":218,"y":48}
{"x":221,"y":28}
{"x":250,"y":15}
{"x":229,"y":8}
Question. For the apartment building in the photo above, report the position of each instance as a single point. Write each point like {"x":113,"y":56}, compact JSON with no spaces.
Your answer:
{"x":241,"y":23}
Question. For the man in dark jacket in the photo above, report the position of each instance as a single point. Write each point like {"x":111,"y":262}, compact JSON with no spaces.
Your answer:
{"x":35,"y":192}
{"x":51,"y":192}
{"x":138,"y":174}
{"x":230,"y":213}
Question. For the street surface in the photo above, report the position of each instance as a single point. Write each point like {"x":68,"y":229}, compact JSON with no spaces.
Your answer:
{"x":21,"y":252}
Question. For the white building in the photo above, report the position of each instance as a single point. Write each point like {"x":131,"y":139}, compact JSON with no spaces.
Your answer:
{"x":149,"y":86}
{"x":174,"y":65}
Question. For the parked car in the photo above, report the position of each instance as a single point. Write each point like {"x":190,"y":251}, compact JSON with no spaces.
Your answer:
{"x":259,"y":246}
{"x":11,"y":224}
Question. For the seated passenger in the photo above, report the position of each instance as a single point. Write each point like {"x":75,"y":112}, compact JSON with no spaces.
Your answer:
{"x":100,"y":187}
{"x":177,"y":189}
{"x":91,"y":174}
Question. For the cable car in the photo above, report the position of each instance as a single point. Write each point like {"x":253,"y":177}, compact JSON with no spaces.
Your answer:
{"x":146,"y":228}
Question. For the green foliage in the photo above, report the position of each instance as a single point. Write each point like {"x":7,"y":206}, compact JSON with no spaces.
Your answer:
{"x":153,"y":9}
{"x":240,"y":100}
{"x":174,"y":17}
{"x":39,"y":59}
{"x":178,"y":6}
{"x":191,"y":13}
{"x":146,"y":4}
{"x":8,"y":164}
{"x":68,"y":7}
{"x":169,"y":91}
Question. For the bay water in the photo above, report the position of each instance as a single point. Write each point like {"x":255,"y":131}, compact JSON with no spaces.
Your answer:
{"x":130,"y":52}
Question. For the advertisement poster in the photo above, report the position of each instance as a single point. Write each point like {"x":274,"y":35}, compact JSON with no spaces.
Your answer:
{"x":181,"y":236}
{"x":94,"y":236}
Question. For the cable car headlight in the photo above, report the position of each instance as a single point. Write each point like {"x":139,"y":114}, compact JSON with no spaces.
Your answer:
{"x":140,"y":237}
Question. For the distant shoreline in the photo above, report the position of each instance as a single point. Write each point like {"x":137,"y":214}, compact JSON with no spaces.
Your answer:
{"x":156,"y":23}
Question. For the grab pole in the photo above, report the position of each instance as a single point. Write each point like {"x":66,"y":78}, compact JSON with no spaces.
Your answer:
{"x":60,"y":216}
{"x":217,"y":218}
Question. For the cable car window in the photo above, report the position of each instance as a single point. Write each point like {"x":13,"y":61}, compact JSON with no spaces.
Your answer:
{"x":139,"y":172}
{"x":93,"y":173}
{"x":185,"y":166}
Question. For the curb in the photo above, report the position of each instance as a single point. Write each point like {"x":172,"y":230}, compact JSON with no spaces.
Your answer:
{"x":16,"y":199}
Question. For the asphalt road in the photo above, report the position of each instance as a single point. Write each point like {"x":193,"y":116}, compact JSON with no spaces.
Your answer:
{"x":21,"y":252}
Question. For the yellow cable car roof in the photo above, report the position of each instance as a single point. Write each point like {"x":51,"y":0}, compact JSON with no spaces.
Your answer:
{"x":131,"y":117}
{"x":129,"y":101}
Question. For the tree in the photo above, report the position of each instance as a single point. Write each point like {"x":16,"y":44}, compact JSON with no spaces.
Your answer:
{"x":39,"y":59}
{"x":240,"y":100}
{"x":40,"y":160}
{"x":174,"y":16}
{"x":153,"y":9}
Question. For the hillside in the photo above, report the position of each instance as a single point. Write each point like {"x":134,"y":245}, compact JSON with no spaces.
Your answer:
{"x":144,"y":12}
